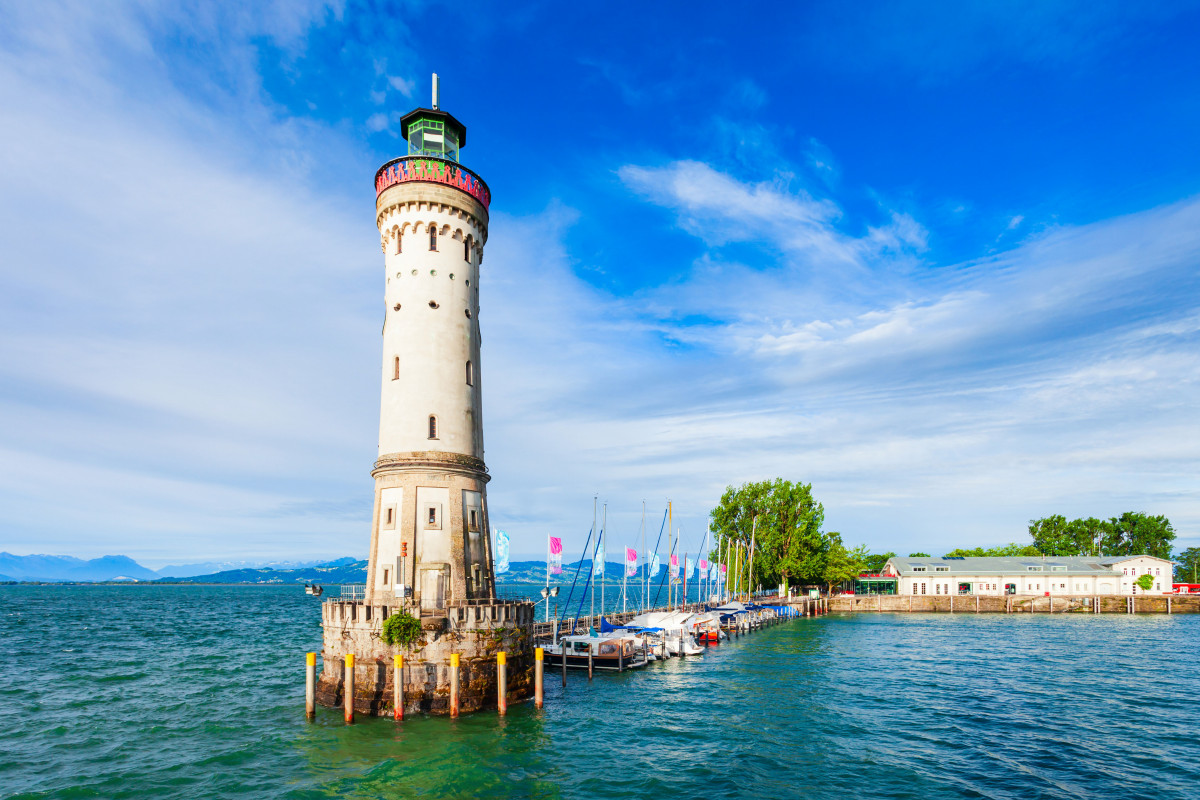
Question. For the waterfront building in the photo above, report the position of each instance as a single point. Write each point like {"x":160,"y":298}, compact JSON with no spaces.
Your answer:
{"x":1036,"y":575}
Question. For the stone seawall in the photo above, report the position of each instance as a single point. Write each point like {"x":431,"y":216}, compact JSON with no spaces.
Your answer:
{"x":477,"y":632}
{"x":1018,"y":604}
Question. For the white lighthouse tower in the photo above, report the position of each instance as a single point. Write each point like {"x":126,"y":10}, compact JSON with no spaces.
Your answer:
{"x":429,"y":539}
{"x":430,"y":554}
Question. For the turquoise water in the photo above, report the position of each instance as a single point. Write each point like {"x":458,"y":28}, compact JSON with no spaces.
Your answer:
{"x":197,"y":692}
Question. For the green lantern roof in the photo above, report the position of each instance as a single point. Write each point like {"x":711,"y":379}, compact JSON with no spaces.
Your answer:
{"x":431,"y":132}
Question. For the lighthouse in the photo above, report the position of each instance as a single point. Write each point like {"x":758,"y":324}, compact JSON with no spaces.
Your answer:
{"x":429,"y":528}
{"x":430,"y":559}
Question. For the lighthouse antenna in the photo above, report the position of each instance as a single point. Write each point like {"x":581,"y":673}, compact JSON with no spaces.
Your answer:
{"x":435,"y":91}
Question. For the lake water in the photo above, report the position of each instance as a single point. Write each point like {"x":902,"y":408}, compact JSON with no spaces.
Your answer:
{"x":197,"y":692}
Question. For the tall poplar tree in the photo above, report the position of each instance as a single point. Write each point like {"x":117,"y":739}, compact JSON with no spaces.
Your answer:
{"x":789,"y":543}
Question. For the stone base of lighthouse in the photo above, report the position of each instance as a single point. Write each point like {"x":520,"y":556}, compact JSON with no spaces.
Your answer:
{"x":476,"y":631}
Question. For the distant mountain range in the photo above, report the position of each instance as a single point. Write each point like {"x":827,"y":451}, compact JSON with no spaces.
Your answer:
{"x":48,"y":568}
{"x":67,"y":568}
{"x":342,"y":570}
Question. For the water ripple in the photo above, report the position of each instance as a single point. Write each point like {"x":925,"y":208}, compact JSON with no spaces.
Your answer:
{"x":184,"y":692}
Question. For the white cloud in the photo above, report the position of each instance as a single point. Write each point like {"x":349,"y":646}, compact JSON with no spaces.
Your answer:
{"x":190,"y":362}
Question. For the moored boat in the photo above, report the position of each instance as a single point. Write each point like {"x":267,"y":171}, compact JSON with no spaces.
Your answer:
{"x":608,"y":652}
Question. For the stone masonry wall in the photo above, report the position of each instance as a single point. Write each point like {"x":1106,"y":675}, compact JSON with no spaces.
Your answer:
{"x":1015,"y":604}
{"x":477,"y":633}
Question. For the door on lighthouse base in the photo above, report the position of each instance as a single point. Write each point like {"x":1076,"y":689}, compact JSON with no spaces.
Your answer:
{"x":433,"y":590}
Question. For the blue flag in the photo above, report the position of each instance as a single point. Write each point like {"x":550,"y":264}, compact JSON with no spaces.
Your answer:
{"x":655,"y":566}
{"x":501,"y":565}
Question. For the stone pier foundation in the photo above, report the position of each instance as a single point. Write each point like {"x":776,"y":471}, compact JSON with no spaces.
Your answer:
{"x":476,"y":630}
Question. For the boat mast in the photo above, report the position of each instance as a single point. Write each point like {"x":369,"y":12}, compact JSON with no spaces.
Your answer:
{"x":750,"y":577}
{"x":604,"y":564}
{"x":592,"y":606}
{"x":670,"y":544}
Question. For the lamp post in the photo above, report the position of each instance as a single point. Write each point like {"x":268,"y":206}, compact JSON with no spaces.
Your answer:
{"x":546,"y":594}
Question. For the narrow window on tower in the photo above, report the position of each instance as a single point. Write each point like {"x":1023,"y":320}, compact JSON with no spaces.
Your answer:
{"x":396,"y":369}
{"x":432,"y":427}
{"x":467,"y":249}
{"x":399,"y":239}
{"x":432,"y":236}
{"x":470,"y":375}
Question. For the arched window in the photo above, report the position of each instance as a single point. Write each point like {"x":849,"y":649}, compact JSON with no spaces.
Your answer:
{"x":399,"y":238}
{"x":470,"y":374}
{"x":432,"y":427}
{"x":396,"y":369}
{"x":432,"y":236}
{"x":467,"y":249}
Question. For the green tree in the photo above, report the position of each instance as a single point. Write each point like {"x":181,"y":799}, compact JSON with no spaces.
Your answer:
{"x":842,"y":565}
{"x":1012,"y":550}
{"x":1055,"y":536}
{"x":1145,"y":581}
{"x":875,"y":562}
{"x":1136,"y":533}
{"x":919,"y":555}
{"x":788,"y":540}
{"x":1187,"y":567}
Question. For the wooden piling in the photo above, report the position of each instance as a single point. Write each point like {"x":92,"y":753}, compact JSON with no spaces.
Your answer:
{"x":564,"y":663}
{"x":310,"y":685}
{"x":538,"y":688}
{"x":398,"y":687}
{"x":502,"y":683}
{"x":454,"y":684}
{"x":348,"y":687}
{"x":589,"y":661}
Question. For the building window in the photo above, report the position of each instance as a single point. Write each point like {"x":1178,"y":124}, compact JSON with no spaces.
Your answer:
{"x":918,"y":569}
{"x":922,"y":588}
{"x":386,"y":575}
{"x":914,"y":587}
{"x":432,"y":236}
{"x":399,"y":237}
{"x":433,"y":516}
{"x":473,"y":520}
{"x":470,"y":374}
{"x":433,"y":432}
{"x":389,"y":515}
{"x":396,"y":369}
{"x":467,"y":249}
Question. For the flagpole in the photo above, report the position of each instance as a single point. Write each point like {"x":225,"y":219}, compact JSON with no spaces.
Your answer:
{"x":645,"y":560}
{"x":624,"y":579}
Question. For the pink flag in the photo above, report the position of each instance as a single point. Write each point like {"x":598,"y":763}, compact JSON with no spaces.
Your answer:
{"x":703,"y":563}
{"x":724,"y":569}
{"x":630,"y":562}
{"x":674,"y":566}
{"x":554,"y":562}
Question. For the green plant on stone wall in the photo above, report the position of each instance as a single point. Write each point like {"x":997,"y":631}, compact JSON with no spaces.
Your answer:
{"x":401,"y":628}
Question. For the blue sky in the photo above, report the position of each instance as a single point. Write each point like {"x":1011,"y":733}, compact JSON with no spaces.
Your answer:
{"x":939,"y":260}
